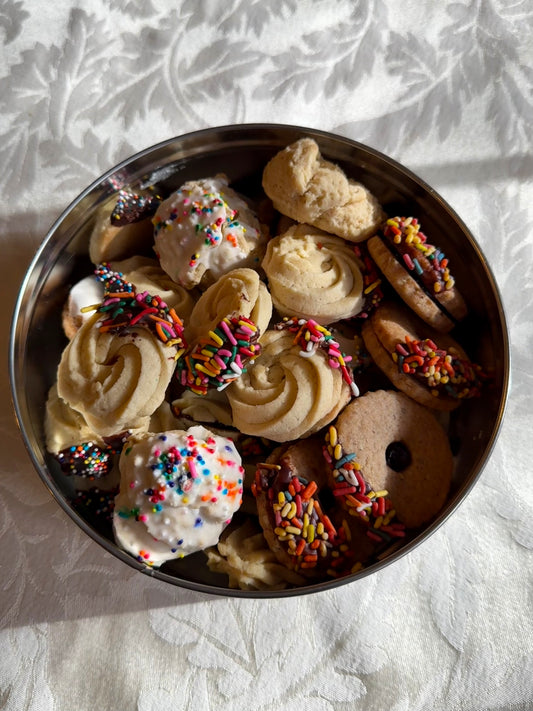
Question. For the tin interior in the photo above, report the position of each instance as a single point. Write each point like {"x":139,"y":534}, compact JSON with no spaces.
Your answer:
{"x":241,"y":152}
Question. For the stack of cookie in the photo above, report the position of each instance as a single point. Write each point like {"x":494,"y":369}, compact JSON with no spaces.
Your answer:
{"x":318,"y":346}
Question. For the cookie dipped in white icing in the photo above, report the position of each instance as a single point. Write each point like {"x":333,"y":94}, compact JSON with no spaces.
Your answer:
{"x":205,"y":229}
{"x":178,"y":491}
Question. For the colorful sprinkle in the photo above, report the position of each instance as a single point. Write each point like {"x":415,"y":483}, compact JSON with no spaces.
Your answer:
{"x":354,"y":491}
{"x":443,"y":372}
{"x":311,"y":336}
{"x":86,"y":460}
{"x":132,"y":207}
{"x":123,"y":308}
{"x":424,"y":261}
{"x":221,"y":357}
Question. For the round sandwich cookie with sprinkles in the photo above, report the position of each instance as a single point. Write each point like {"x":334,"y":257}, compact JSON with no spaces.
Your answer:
{"x":303,"y":524}
{"x":430,"y":367}
{"x":418,"y":271}
{"x":390,"y":463}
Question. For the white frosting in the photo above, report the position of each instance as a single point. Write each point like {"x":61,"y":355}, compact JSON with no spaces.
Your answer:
{"x":178,"y":491}
{"x":205,"y":227}
{"x":86,"y":292}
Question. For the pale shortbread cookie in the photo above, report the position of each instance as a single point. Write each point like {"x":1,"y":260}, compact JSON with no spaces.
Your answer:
{"x":63,"y":426}
{"x":204,"y":230}
{"x":388,"y":326}
{"x":284,"y":396}
{"x":115,"y":381}
{"x":400,"y":448}
{"x":240,"y":292}
{"x":213,"y":407}
{"x":307,"y":188}
{"x":313,"y":275}
{"x":120,"y":233}
{"x":243,"y":555}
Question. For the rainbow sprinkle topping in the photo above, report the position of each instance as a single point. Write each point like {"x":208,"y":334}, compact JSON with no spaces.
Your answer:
{"x":132,"y":207}
{"x":358,"y":498}
{"x":311,"y":336}
{"x":86,"y":460}
{"x":442,"y":371}
{"x":423,"y":260}
{"x":221,"y":357}
{"x":124,"y":308}
{"x":306,"y":532}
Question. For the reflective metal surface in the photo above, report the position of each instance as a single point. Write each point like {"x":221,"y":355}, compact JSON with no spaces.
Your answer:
{"x":241,"y":152}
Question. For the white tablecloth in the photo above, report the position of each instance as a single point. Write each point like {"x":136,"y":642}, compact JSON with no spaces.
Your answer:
{"x":447,"y":89}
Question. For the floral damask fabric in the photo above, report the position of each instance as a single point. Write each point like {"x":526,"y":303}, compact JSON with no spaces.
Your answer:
{"x":447,"y":89}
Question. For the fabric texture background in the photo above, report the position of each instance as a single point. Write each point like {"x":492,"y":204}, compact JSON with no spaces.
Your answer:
{"x":445,"y":88}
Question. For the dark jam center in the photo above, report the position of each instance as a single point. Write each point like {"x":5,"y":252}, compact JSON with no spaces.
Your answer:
{"x":398,"y":457}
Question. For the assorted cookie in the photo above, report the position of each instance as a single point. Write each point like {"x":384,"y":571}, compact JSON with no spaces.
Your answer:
{"x":244,"y":370}
{"x":430,"y":367}
{"x":386,"y":442}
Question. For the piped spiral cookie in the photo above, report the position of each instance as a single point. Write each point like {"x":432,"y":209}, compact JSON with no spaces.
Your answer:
{"x":64,"y":426}
{"x":307,"y":188}
{"x":115,"y":381}
{"x":240,"y":292}
{"x":290,"y":392}
{"x":146,"y":275}
{"x":313,"y":275}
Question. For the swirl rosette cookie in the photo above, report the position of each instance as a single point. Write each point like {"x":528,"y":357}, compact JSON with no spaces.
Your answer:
{"x":64,"y":427}
{"x":307,"y":188}
{"x":116,"y":381}
{"x":205,"y":229}
{"x":289,"y":392}
{"x":312,"y":274}
{"x":240,"y":292}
